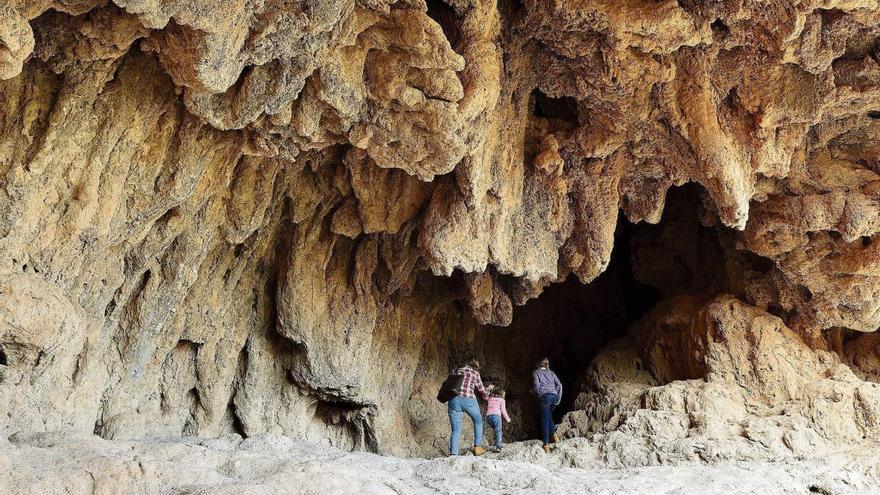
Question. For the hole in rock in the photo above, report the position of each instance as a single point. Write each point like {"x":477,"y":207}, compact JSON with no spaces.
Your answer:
{"x":830,"y":16}
{"x":512,"y":11}
{"x":874,"y":114}
{"x":719,"y":27}
{"x":444,"y":15}
{"x":510,"y":6}
{"x":571,"y":322}
{"x":684,"y":4}
{"x":2,"y":357}
{"x":232,"y":423}
{"x":564,"y":108}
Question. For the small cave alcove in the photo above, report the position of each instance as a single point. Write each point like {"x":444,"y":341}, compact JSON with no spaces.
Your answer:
{"x":563,"y":108}
{"x":571,"y":322}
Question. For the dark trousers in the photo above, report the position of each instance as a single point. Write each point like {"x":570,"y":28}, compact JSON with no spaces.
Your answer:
{"x":547,"y":403}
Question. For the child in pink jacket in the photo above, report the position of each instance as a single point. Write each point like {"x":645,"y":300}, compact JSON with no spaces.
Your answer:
{"x":495,"y":409}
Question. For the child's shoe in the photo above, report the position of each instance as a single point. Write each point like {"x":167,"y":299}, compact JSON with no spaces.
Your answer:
{"x":554,"y":438}
{"x":546,"y":448}
{"x":479,"y":451}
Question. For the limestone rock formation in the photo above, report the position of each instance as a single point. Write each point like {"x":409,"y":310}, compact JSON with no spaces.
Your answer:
{"x":721,"y":380}
{"x":294,"y":217}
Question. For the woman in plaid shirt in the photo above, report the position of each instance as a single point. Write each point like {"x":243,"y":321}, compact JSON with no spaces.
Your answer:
{"x":466,"y":402}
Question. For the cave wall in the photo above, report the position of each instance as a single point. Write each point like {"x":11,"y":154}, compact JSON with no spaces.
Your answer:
{"x":145,"y":287}
{"x":296,"y":216}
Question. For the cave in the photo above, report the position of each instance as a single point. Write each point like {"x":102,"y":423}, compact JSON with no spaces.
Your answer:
{"x":564,"y":108}
{"x":276,"y":226}
{"x":571,"y":322}
{"x":445,"y":16}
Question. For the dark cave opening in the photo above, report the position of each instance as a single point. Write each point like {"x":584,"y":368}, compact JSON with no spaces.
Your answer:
{"x":719,"y":28}
{"x":578,"y":320}
{"x":444,"y":15}
{"x":563,"y":108}
{"x":571,"y":322}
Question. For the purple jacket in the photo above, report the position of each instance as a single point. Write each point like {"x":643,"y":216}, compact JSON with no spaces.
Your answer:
{"x":545,"y":381}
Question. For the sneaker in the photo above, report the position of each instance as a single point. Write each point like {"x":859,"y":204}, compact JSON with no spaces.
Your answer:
{"x":479,"y":451}
{"x":546,"y":448}
{"x":554,"y":438}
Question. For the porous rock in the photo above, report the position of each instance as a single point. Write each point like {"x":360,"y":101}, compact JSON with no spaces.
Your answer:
{"x":294,"y":217}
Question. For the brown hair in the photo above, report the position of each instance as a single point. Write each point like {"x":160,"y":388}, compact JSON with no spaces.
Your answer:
{"x":498,"y":392}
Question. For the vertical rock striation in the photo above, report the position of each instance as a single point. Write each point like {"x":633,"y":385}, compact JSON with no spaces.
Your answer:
{"x":293,"y":216}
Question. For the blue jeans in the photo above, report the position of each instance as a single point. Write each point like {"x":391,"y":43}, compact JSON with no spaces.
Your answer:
{"x":469,"y":406}
{"x":494,"y":421}
{"x":547,"y":403}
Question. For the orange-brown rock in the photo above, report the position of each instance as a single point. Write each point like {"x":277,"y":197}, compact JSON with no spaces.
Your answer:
{"x":294,"y":217}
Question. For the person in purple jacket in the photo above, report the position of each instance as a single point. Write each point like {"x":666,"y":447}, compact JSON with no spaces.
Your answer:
{"x":547,"y":386}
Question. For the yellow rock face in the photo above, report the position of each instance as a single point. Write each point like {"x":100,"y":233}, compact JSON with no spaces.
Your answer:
{"x":294,"y":217}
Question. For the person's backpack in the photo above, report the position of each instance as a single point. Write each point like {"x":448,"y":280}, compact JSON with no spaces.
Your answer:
{"x":450,"y":388}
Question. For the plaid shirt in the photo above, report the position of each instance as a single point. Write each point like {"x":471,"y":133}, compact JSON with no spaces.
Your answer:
{"x":471,"y":382}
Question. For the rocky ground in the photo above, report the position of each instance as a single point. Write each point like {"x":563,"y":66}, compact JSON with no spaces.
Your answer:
{"x":75,"y":463}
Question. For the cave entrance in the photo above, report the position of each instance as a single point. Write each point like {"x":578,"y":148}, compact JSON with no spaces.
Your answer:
{"x":571,"y":322}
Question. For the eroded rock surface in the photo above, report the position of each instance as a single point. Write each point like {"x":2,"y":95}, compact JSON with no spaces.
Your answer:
{"x":719,"y":381}
{"x":294,"y":217}
{"x":80,"y":464}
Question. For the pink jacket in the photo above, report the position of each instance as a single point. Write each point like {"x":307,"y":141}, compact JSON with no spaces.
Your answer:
{"x":496,"y":405}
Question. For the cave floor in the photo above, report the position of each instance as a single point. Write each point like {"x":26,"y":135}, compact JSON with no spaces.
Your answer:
{"x":74,"y":463}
